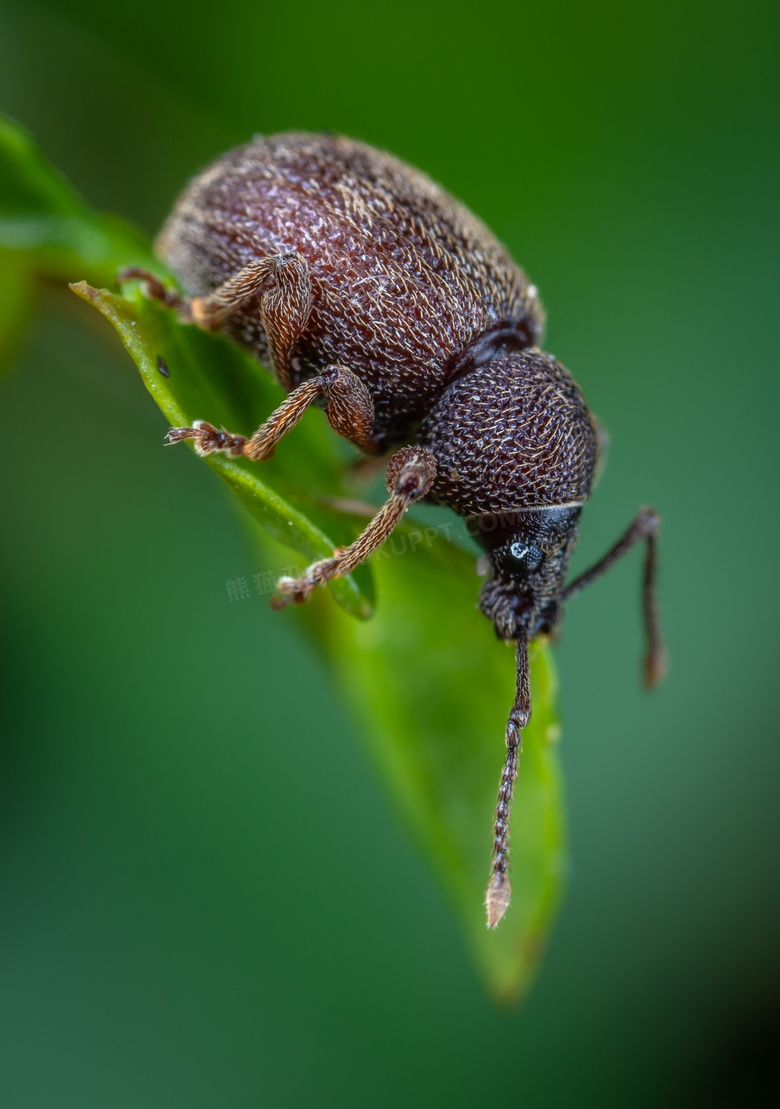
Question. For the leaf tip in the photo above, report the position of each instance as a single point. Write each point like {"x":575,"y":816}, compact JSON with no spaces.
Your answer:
{"x":497,"y":898}
{"x":83,"y":289}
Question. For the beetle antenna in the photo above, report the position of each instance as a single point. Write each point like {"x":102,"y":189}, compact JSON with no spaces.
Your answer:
{"x":499,"y":890}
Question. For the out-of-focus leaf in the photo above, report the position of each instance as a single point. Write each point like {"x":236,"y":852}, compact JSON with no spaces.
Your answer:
{"x":16,"y":298}
{"x":426,"y":676}
{"x":43,"y":218}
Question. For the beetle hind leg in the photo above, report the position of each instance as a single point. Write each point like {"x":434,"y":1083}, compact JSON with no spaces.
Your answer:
{"x":643,"y":528}
{"x":279,"y":283}
{"x":410,"y":474}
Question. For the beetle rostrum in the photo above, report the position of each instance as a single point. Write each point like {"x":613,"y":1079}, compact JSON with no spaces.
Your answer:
{"x":371,"y":291}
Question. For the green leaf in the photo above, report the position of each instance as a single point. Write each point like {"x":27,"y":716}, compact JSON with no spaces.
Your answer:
{"x":17,"y":284}
{"x":426,"y":676}
{"x":433,"y":687}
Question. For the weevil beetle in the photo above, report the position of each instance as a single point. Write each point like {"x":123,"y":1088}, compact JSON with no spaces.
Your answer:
{"x":371,"y":291}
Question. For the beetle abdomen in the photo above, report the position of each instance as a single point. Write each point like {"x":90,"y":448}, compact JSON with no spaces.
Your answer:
{"x":513,"y":434}
{"x":404,"y":277}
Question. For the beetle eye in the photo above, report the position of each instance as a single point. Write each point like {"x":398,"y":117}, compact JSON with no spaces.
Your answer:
{"x":520,"y":558}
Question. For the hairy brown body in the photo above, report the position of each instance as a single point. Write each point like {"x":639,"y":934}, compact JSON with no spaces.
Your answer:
{"x":403,"y":277}
{"x":373,"y":292}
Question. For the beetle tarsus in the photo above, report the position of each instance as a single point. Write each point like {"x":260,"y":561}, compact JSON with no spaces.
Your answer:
{"x":208,"y":439}
{"x":154,"y":289}
{"x":654,"y":666}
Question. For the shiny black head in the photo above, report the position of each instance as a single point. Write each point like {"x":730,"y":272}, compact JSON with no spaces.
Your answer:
{"x":528,"y":553}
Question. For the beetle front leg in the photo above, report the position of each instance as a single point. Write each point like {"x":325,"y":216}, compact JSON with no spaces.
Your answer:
{"x":644,"y":527}
{"x":410,"y":474}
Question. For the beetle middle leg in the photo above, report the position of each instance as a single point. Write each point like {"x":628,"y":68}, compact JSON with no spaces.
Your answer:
{"x":348,"y":408}
{"x":410,"y":474}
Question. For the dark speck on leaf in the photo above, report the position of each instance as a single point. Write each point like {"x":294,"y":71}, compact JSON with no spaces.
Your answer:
{"x":162,"y":366}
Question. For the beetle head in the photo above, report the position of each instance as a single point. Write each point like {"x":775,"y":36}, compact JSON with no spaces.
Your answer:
{"x":528,"y":554}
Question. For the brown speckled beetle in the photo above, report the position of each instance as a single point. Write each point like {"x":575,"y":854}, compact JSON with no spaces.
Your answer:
{"x":370,"y":290}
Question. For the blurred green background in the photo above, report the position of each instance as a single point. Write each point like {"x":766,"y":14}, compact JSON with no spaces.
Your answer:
{"x":184,"y":920}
